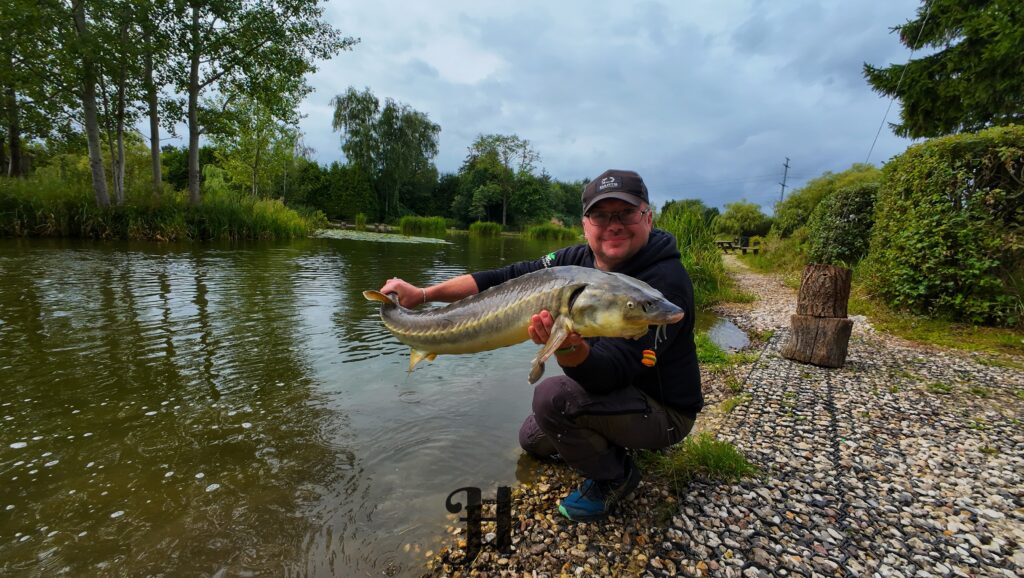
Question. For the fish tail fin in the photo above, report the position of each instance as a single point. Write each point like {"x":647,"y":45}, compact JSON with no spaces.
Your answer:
{"x":416,"y":356}
{"x":536,"y":371}
{"x":377,"y":296}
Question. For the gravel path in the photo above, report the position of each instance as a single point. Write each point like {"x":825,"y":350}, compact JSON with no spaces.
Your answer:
{"x":907,"y":462}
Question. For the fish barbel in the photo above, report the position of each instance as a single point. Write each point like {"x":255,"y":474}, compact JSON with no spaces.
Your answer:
{"x":588,"y":301}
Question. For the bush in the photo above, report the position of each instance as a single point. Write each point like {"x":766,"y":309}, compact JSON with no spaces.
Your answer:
{"x":485,"y":229}
{"x":434,"y":226}
{"x":360,"y":221}
{"x":840,"y":227}
{"x":948,"y":228}
{"x":554,"y":232}
{"x":795,"y":211}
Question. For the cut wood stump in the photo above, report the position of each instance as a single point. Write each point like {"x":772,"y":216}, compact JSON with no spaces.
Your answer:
{"x":819,"y":340}
{"x":824,"y":291}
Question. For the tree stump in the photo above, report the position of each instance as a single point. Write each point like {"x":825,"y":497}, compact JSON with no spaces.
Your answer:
{"x":819,"y":340}
{"x":820,"y":329}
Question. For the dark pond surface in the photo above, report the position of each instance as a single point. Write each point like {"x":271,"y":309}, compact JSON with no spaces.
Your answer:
{"x":238,"y":409}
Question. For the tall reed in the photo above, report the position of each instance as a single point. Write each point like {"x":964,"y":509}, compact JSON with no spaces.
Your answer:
{"x":431,"y":226}
{"x":695,"y":238}
{"x":46,"y":206}
{"x":553,"y":232}
{"x":485,"y":229}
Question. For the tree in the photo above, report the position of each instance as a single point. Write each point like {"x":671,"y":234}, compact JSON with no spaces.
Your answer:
{"x":261,"y":49}
{"x":744,"y":219}
{"x":394,"y":145}
{"x":513,"y":161}
{"x":252,"y":146}
{"x":690,"y":205}
{"x":973,"y":81}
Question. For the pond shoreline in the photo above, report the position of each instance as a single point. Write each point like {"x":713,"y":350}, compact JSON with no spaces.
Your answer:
{"x":906,"y":462}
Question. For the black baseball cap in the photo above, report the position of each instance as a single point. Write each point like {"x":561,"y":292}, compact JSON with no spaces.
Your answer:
{"x":615,"y":184}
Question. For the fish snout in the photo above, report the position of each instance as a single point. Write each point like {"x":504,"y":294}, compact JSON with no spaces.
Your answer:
{"x":663,"y":312}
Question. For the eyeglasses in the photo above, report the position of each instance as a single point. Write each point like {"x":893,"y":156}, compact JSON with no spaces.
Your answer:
{"x":626,"y":217}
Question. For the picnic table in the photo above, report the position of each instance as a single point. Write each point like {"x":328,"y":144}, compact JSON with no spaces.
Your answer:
{"x":727,"y":246}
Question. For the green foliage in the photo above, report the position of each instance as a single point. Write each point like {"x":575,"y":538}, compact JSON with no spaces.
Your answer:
{"x":948,"y":232}
{"x":966,"y":84}
{"x":45,"y":206}
{"x":781,"y":255}
{"x":702,"y":456}
{"x":743,"y":219}
{"x":684,"y":205}
{"x":550,"y":231}
{"x":795,"y":211}
{"x":840,"y":227}
{"x":730,"y":404}
{"x":701,"y":257}
{"x":485,"y":229}
{"x":360,"y":221}
{"x":430,"y":226}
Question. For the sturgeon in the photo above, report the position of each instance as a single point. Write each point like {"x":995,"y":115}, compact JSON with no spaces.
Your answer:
{"x":588,"y":301}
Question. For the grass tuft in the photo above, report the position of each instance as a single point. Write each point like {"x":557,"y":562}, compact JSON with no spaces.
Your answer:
{"x":939,"y":388}
{"x":731,"y":403}
{"x":702,"y":456}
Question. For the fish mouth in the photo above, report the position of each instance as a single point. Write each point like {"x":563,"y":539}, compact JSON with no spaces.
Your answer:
{"x":674,"y":318}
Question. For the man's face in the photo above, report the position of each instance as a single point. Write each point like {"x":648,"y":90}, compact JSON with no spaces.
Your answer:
{"x":614,"y":243}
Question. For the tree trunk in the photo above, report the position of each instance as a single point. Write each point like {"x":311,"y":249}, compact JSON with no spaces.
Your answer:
{"x":92,"y":126}
{"x":154,"y":125}
{"x":14,"y":169}
{"x":819,"y":340}
{"x":119,"y":119}
{"x":193,"y":111}
{"x":824,"y":291}
{"x":108,"y":118}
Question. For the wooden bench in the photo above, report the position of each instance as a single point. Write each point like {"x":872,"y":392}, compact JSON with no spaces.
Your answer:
{"x":727,"y":246}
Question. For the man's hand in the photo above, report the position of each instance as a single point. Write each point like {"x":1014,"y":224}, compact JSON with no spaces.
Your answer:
{"x":540,"y":331}
{"x":409,"y":295}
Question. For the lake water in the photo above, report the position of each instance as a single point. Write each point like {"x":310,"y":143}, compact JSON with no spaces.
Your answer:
{"x":238,"y":409}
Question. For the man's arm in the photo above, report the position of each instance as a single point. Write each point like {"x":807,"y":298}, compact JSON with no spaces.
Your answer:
{"x":410,"y":296}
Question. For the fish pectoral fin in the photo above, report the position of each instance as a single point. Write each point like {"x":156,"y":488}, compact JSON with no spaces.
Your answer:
{"x":378,"y":296}
{"x":416,"y":356}
{"x":559,"y":331}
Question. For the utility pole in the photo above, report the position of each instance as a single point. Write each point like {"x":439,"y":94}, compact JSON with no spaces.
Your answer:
{"x":782,"y":193}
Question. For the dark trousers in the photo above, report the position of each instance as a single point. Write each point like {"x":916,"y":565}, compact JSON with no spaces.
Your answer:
{"x":591,"y":431}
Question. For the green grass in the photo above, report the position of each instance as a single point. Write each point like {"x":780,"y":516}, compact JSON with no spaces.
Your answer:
{"x":422,"y":226}
{"x":361,"y":222}
{"x":553,"y":232}
{"x":485,"y":229}
{"x":939,"y":388}
{"x":43,"y":206}
{"x":980,"y":391}
{"x":733,"y":384}
{"x":709,"y":354}
{"x":730,"y":404}
{"x":700,"y":457}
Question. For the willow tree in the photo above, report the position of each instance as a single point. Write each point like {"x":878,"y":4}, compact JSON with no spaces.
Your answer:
{"x":972,"y":80}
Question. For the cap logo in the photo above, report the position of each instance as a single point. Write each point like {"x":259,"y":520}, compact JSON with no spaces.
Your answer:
{"x":608,"y":182}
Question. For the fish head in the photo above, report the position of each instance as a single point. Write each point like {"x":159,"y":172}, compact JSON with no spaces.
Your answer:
{"x":621,"y":307}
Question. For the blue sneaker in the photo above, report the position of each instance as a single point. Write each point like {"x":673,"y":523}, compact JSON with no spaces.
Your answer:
{"x":595,"y":499}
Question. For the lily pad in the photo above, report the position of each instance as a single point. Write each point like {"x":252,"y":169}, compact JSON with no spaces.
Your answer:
{"x":378,"y":237}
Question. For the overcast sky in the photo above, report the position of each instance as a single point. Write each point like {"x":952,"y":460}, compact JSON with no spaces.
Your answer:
{"x":705,"y":99}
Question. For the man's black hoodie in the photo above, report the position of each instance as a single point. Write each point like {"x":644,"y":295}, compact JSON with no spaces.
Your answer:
{"x":616,"y":362}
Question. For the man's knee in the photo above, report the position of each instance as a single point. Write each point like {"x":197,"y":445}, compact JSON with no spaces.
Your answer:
{"x":549,"y":398}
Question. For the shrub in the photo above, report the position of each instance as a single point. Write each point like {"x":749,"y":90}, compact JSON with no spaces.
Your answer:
{"x":433,"y":226}
{"x":840,"y":227}
{"x":360,"y":221}
{"x":948,"y":228}
{"x":555,"y":232}
{"x":485,"y":229}
{"x":795,"y":211}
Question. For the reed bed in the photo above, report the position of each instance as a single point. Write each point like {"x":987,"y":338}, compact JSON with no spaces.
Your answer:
{"x":549,"y":231}
{"x":485,"y":229}
{"x":429,"y":226}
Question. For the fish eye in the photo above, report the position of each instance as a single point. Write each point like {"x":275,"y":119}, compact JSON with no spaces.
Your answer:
{"x":629,"y":304}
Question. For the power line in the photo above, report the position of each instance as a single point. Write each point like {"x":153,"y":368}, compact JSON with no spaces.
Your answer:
{"x":928,"y":11}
